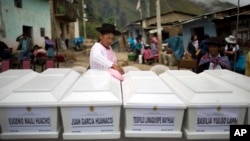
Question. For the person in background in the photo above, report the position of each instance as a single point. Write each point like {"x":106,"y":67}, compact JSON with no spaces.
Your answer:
{"x":25,"y":46}
{"x":193,"y":46}
{"x":62,"y":44}
{"x":34,"y":52}
{"x":4,"y":51}
{"x":147,"y":55}
{"x":232,"y":50}
{"x":203,"y":45}
{"x":102,"y":56}
{"x":131,"y":42}
{"x":154,"y":43}
{"x":49,"y":47}
{"x":138,"y":47}
{"x":214,"y":59}
{"x":247,"y":71}
{"x":78,"y":43}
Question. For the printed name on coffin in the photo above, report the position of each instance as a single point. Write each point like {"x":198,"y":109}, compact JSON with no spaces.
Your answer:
{"x":91,"y":121}
{"x":29,"y":121}
{"x":217,"y":120}
{"x":153,"y":120}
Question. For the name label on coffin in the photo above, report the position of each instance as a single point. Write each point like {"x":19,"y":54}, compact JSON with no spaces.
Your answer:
{"x":216,"y":119}
{"x":92,"y":119}
{"x":29,"y":119}
{"x":153,"y":120}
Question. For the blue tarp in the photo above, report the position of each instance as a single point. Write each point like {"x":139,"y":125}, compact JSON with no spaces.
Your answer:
{"x":241,"y":64}
{"x":176,"y":45}
{"x":78,"y":40}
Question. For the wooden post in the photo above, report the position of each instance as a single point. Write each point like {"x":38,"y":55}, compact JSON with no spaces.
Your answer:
{"x":236,"y":34}
{"x":158,"y":20}
{"x":84,"y":22}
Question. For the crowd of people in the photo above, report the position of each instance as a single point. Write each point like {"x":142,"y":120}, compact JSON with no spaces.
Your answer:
{"x":146,"y":51}
{"x":26,"y":50}
{"x":210,"y":53}
{"x":215,"y":53}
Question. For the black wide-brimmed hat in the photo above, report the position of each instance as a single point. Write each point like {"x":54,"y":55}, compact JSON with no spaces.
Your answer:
{"x":216,"y":41}
{"x":108,"y":28}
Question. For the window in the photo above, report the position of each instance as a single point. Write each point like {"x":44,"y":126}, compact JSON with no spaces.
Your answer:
{"x":18,"y":3}
{"x":42,"y":32}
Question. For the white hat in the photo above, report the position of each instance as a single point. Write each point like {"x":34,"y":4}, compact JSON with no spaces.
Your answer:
{"x":231,"y":39}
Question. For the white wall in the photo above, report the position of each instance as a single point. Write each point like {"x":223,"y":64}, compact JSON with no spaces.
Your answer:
{"x":34,"y":13}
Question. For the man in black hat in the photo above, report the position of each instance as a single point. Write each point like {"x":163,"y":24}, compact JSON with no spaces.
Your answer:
{"x":102,"y":56}
{"x":214,"y":59}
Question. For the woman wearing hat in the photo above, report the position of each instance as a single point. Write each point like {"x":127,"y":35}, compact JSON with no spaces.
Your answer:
{"x":214,"y":59}
{"x":231,"y":49}
{"x":102,"y":56}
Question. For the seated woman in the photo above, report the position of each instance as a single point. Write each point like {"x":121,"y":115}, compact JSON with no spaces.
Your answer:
{"x":192,"y":47}
{"x":147,"y":55}
{"x":214,"y":59}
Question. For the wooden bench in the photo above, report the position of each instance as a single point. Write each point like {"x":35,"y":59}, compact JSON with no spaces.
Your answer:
{"x":188,"y":64}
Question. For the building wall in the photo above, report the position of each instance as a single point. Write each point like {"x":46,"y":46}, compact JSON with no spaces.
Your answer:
{"x":76,"y":29}
{"x":173,"y":31}
{"x":209,"y":28}
{"x":61,"y":26}
{"x":167,"y":21}
{"x":34,"y":13}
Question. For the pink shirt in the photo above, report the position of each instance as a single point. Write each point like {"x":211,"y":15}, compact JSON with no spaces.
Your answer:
{"x":154,"y":40}
{"x":111,"y":55}
{"x":147,"y":54}
{"x":101,"y":58}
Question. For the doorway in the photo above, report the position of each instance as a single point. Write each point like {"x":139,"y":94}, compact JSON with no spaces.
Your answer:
{"x":28,"y":31}
{"x":199,"y":31}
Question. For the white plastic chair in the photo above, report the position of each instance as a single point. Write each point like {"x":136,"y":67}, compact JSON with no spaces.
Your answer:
{"x":79,"y":69}
{"x":159,"y":69}
{"x":130,"y":68}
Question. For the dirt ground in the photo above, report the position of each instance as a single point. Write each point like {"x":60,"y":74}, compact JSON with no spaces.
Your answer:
{"x":82,"y":58}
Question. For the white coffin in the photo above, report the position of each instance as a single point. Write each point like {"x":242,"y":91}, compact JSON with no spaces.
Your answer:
{"x":31,"y":110}
{"x":91,"y":108}
{"x":212,"y":106}
{"x":151,"y":108}
{"x":11,"y":79}
{"x":235,"y":79}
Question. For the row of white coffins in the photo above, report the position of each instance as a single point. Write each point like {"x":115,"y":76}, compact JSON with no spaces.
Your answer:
{"x":95,"y":105}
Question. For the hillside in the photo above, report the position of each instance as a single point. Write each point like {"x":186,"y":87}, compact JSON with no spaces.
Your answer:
{"x":122,"y":12}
